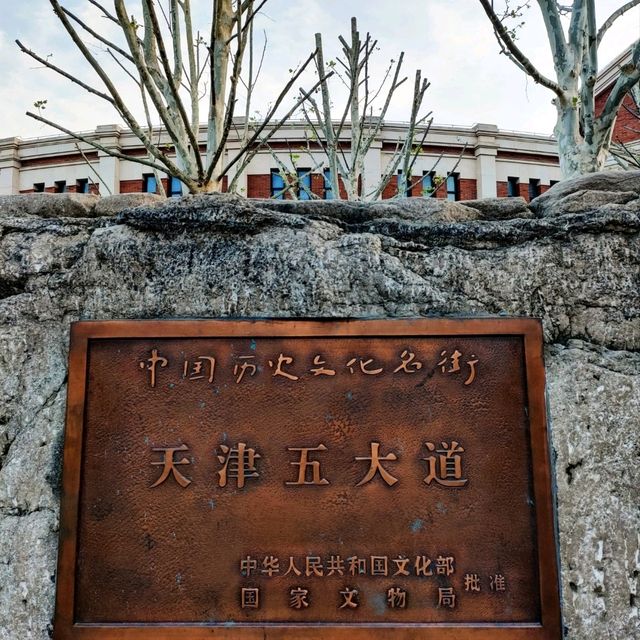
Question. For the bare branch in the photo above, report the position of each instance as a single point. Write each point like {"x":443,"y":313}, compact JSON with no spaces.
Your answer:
{"x":577,"y":25}
{"x":106,"y":13}
{"x":93,"y":143}
{"x":271,"y":113}
{"x":64,"y":74}
{"x":92,"y":168}
{"x":614,"y":16}
{"x":135,"y":48}
{"x":118,"y":102}
{"x":515,"y":51}
{"x":551,"y":12}
{"x":97,"y":36}
{"x":171,"y":81}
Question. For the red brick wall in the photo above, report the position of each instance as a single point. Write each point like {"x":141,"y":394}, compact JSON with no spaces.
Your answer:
{"x":502,"y":189}
{"x":391,"y":188}
{"x":131,"y":186}
{"x":317,"y":184}
{"x":625,"y":122}
{"x":524,"y":190}
{"x":468,"y":189}
{"x":441,"y":190}
{"x":531,"y":157}
{"x":343,"y":191}
{"x":62,"y":159}
{"x":259,"y":186}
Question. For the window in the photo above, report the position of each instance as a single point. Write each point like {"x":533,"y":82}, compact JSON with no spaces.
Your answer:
{"x":513,"y":186}
{"x":60,"y":186}
{"x":149,"y":183}
{"x":82,"y":185}
{"x":304,"y":184}
{"x":552,"y":182}
{"x":407,"y":191}
{"x":328,"y":188}
{"x":428,"y":183}
{"x":277,"y":185}
{"x":38,"y":187}
{"x":453,"y":186}
{"x":175,"y":187}
{"x":534,"y":188}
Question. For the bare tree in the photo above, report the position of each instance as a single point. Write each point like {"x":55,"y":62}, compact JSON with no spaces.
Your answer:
{"x":584,"y":137}
{"x":346,"y":166}
{"x":176,"y":71}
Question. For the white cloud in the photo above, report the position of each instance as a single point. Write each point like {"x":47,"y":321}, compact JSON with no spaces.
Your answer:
{"x":451,"y":42}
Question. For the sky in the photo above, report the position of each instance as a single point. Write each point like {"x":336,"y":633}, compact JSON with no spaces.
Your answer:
{"x":451,"y":41}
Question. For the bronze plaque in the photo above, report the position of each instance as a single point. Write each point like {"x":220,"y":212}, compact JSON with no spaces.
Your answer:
{"x":290,"y":479}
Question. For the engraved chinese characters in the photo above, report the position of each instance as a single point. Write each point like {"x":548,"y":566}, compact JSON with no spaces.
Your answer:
{"x":374,"y":566}
{"x":334,"y":479}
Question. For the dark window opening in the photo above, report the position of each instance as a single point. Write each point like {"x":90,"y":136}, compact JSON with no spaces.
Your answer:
{"x":38,"y":187}
{"x":60,"y":186}
{"x":534,"y":188}
{"x":513,"y":186}
{"x":82,"y":185}
{"x":407,"y":191}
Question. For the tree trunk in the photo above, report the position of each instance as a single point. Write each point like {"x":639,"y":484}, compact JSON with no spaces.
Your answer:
{"x":213,"y":186}
{"x":577,"y":156}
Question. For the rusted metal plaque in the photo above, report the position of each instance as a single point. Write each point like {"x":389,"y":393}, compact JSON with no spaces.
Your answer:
{"x":308,"y":480}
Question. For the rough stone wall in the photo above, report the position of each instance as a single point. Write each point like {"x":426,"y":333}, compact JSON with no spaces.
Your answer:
{"x":220,"y":257}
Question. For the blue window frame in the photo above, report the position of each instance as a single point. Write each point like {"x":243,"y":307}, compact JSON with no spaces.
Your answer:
{"x":304,"y":184}
{"x":277,"y":185}
{"x":150,"y":184}
{"x":328,"y":187}
{"x":175,"y":187}
{"x":453,"y":187}
{"x":82,"y":185}
{"x":428,"y":184}
{"x":513,"y":186}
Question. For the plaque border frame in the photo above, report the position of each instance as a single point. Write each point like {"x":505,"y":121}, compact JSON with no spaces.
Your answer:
{"x":529,"y":329}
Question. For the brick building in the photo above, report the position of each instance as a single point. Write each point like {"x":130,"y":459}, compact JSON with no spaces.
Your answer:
{"x":480,"y":161}
{"x":627,"y":128}
{"x":484,"y":161}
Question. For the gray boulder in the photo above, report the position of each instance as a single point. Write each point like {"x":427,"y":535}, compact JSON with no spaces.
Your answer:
{"x":588,"y":193}
{"x":500,"y":208}
{"x":112,"y":205}
{"x":49,"y":205}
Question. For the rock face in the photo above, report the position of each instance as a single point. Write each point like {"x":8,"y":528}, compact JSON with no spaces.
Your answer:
{"x":218,"y":256}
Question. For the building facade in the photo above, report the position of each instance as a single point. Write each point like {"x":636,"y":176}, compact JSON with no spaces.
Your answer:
{"x":459,"y":163}
{"x":474,"y":162}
